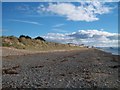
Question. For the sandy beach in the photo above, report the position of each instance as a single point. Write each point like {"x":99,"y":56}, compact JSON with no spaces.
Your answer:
{"x":85,"y":68}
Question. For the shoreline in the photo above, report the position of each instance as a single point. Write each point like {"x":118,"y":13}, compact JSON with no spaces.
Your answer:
{"x":108,"y":50}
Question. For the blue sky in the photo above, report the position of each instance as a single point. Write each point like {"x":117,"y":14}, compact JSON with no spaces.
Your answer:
{"x":40,"y":19}
{"x":14,"y":11}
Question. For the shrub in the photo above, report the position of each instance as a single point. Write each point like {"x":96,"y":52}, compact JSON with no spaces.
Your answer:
{"x":39,"y":38}
{"x":27,"y":37}
{"x":22,"y":36}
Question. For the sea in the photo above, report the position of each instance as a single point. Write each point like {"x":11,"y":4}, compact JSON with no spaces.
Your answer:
{"x":113,"y":50}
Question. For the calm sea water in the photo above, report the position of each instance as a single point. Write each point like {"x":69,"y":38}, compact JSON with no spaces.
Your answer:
{"x":113,"y":50}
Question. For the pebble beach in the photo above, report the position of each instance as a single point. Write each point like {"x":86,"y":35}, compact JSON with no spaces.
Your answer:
{"x":84,"y":68}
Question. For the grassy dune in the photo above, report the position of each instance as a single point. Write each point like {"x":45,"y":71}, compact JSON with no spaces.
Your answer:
{"x":33,"y":44}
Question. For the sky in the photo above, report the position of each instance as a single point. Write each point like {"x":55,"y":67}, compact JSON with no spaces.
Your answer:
{"x":91,"y":23}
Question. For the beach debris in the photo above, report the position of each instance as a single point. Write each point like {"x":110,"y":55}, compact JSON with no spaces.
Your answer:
{"x":15,"y":67}
{"x":39,"y":66}
{"x":98,"y":58}
{"x":63,"y":60}
{"x":116,"y":66}
{"x":62,"y":74}
{"x":11,"y":70}
{"x":69,"y":72}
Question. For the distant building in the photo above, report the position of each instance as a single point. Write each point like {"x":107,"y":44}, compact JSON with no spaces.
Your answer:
{"x":73,"y":44}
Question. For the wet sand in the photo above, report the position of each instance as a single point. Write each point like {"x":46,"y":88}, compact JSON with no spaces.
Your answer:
{"x":85,"y":68}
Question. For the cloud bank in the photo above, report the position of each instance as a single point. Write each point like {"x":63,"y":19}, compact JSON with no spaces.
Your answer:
{"x":97,"y":38}
{"x":84,"y":11}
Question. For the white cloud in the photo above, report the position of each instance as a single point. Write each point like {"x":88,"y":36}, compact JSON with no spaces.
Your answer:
{"x":58,"y":25}
{"x":85,"y":11}
{"x":91,"y":33}
{"x":87,"y":37}
{"x":59,"y":30}
{"x":23,"y":21}
{"x":56,"y":28}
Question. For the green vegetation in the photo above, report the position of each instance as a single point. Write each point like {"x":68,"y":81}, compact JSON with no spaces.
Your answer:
{"x":38,"y":43}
